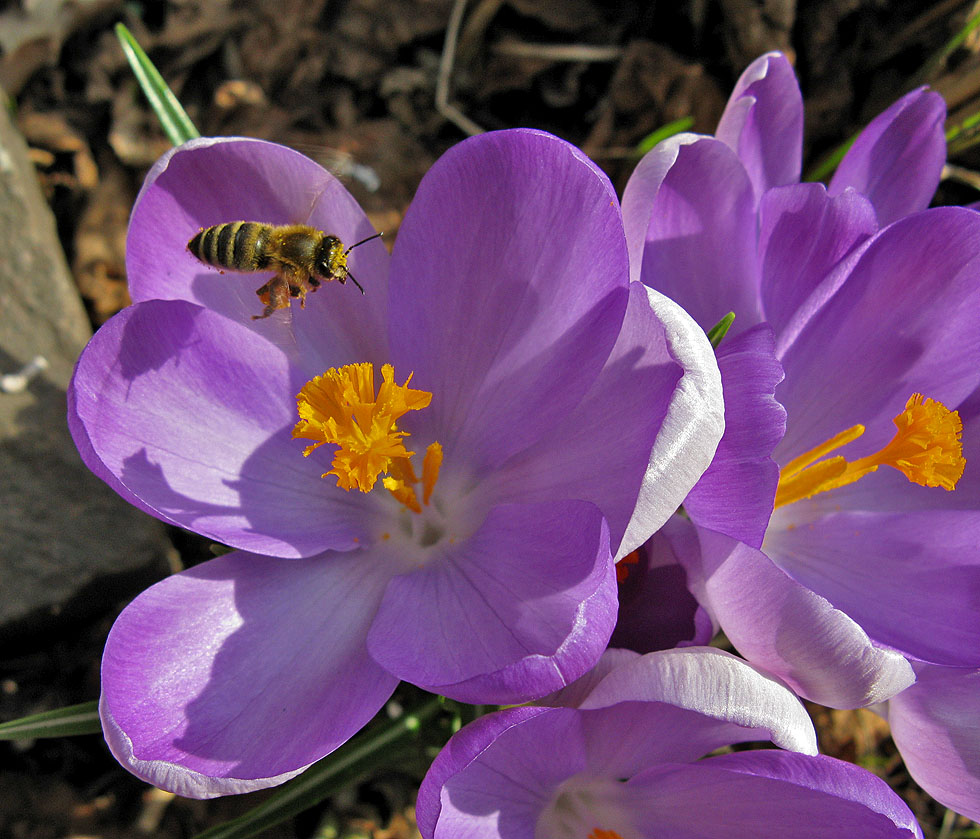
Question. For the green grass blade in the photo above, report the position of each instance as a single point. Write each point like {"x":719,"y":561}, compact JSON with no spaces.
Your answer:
{"x":62,"y":722}
{"x":352,"y":761}
{"x":662,"y":133}
{"x":963,"y":135}
{"x":174,"y":120}
{"x":939,"y":58}
{"x":959,"y":137}
{"x":829,"y":163}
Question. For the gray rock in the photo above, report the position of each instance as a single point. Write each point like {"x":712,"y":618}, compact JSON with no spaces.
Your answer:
{"x":68,"y":544}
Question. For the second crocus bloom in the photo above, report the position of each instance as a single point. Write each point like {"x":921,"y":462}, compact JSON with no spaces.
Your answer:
{"x":853,"y":552}
{"x":870,"y":303}
{"x":622,"y":755}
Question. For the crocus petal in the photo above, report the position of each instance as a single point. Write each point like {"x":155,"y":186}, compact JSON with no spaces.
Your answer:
{"x":936,"y":726}
{"x":911,"y":579}
{"x":504,"y":303}
{"x":691,"y":429}
{"x":91,"y":459}
{"x":593,"y":454}
{"x":210,"y":181}
{"x":752,"y":705}
{"x":573,"y":694}
{"x":967,"y":494}
{"x":857,"y":361}
{"x":501,"y":792}
{"x":769,"y":794}
{"x":521,"y":608}
{"x":690,"y":219}
{"x":192,"y":414}
{"x":785,"y":628}
{"x":466,"y":745}
{"x":238,"y":673}
{"x":897,"y":160}
{"x":735,"y":494}
{"x":804,"y":235}
{"x":763,"y":122}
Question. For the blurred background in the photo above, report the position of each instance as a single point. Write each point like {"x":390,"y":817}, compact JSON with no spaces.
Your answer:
{"x":375,"y":90}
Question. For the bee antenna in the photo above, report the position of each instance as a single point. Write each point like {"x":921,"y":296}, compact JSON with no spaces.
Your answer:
{"x":358,"y":244}
{"x":353,"y":279}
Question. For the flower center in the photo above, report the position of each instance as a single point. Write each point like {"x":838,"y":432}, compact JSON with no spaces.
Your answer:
{"x":582,"y":803}
{"x":342,"y":408}
{"x":926,"y":449}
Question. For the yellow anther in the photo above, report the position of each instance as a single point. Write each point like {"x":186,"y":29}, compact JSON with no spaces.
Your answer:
{"x":403,"y":493}
{"x":599,"y":833}
{"x":926,"y":449}
{"x":400,"y":483}
{"x":341,"y":407}
{"x":430,"y":470}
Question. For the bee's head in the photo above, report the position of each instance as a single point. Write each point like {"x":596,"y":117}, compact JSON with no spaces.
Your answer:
{"x":330,"y":262}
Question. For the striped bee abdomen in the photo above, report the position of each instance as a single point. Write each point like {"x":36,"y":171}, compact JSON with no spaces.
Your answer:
{"x":236,"y":245}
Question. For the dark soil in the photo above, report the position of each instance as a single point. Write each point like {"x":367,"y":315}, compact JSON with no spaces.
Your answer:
{"x":353,"y":83}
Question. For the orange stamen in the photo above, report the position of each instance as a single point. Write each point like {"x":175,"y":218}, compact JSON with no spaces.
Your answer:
{"x":926,"y":449}
{"x":341,"y":407}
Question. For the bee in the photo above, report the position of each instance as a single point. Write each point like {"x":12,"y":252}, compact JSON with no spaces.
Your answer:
{"x":302,"y":257}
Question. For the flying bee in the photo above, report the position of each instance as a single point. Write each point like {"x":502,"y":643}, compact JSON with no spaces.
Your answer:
{"x":302,"y":257}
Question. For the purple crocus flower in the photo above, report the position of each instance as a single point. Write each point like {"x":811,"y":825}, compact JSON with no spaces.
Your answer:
{"x":621,"y":756}
{"x":860,"y":299}
{"x":497,"y":418}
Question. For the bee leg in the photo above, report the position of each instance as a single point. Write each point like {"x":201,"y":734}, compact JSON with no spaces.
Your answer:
{"x":275,"y":295}
{"x":295,"y":278}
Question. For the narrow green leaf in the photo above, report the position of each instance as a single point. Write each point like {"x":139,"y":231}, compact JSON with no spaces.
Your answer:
{"x":939,"y":57}
{"x":720,"y":329}
{"x":963,"y":135}
{"x":955,"y":131}
{"x":829,"y":163}
{"x":62,"y":722}
{"x":352,"y":761}
{"x":662,"y":133}
{"x":173,"y":119}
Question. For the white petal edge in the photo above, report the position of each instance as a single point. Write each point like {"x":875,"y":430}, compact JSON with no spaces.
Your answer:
{"x":179,"y":779}
{"x":716,"y":684}
{"x":691,"y":430}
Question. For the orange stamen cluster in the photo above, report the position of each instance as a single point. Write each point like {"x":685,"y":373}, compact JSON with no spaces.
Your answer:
{"x":342,"y":408}
{"x":927,"y":449}
{"x":599,"y":833}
